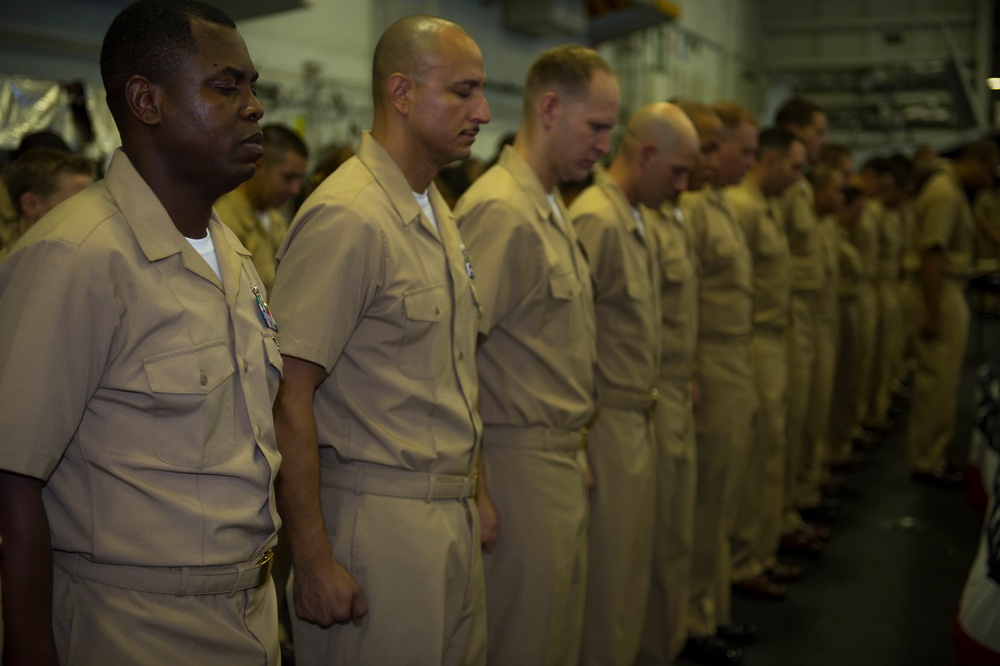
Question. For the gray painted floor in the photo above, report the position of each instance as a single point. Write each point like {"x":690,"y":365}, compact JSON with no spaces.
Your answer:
{"x":886,"y":589}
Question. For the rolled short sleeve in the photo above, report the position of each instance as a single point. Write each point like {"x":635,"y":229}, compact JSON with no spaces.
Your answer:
{"x":59,"y":321}
{"x":328,"y":273}
{"x":938,"y":212}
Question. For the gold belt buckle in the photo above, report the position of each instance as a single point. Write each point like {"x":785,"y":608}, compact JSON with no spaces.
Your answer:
{"x":265,"y":563}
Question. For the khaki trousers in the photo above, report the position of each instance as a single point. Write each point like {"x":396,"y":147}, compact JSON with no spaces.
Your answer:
{"x":868,"y":331}
{"x":536,"y":574}
{"x":888,"y":355}
{"x":801,"y":367}
{"x":622,"y":455}
{"x":844,"y":402}
{"x":911,"y":300}
{"x":816,"y":445}
{"x":666,"y":624}
{"x":935,"y":385}
{"x":723,"y":431}
{"x":419,"y":565}
{"x":96,"y":623}
{"x":759,"y":513}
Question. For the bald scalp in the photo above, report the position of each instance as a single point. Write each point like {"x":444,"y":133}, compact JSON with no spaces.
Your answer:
{"x":408,"y":47}
{"x":661,"y":124}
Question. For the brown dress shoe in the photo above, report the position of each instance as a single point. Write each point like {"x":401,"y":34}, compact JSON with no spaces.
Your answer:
{"x":946,"y":479}
{"x":761,"y":587}
{"x":784,"y":573}
{"x":798,"y":543}
{"x":821,"y":532}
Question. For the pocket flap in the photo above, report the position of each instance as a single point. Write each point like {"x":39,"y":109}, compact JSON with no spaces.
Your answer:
{"x":424,"y":304}
{"x":637,"y":289}
{"x":196,"y":370}
{"x":564,"y":286}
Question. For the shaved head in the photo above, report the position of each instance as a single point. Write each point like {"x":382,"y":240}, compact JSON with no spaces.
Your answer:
{"x":658,"y":152}
{"x":408,"y":46}
{"x":661,"y":124}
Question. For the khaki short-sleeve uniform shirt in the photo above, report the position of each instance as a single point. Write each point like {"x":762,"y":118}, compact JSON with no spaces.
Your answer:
{"x":370,"y":290}
{"x":805,"y":241}
{"x":760,"y":216}
{"x":865,"y":236}
{"x":138,"y":384}
{"x":263,"y":241}
{"x":725,"y":291}
{"x":624,"y":260}
{"x":537,"y":364}
{"x":850,"y":266}
{"x":678,"y":293}
{"x":944,"y":220}
{"x":987,"y":208}
{"x":910,"y":255}
{"x":890,"y":245}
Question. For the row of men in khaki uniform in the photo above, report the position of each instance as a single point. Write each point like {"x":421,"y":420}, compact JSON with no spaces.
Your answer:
{"x":890,"y":270}
{"x":573,"y":344}
{"x":731,"y":332}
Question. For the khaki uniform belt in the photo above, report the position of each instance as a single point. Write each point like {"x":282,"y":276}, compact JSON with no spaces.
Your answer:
{"x":178,"y":581}
{"x":770,"y":330}
{"x":643,"y":401}
{"x":725,"y":338}
{"x":364,"y":479}
{"x":535,"y":438}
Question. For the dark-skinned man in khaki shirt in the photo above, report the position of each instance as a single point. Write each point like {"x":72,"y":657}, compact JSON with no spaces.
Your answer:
{"x":138,"y":454}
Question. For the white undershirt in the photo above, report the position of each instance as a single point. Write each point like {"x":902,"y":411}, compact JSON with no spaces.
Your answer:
{"x":425,"y":204}
{"x":265,"y":219}
{"x":206,"y":248}
{"x":555,"y":209}
{"x":638,"y":221}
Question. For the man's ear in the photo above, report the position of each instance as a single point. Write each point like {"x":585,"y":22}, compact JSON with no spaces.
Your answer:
{"x":647,"y":152}
{"x":549,"y":107}
{"x":399,"y":92}
{"x":31,"y":204}
{"x":144,"y":98}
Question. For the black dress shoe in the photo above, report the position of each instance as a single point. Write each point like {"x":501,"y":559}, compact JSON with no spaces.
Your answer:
{"x":830,"y":487}
{"x":946,"y":479}
{"x":824,"y":512}
{"x":864,"y":441}
{"x":735,"y":633}
{"x":761,"y":587}
{"x":711,"y":650}
{"x":879,"y":426}
{"x":851,"y":463}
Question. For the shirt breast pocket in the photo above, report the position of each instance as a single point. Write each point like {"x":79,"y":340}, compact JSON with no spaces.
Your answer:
{"x":637,"y":289}
{"x":721,"y":253}
{"x":564,"y":287}
{"x":194,"y":412}
{"x":769,"y":242}
{"x":675,"y":270}
{"x":424,"y":347}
